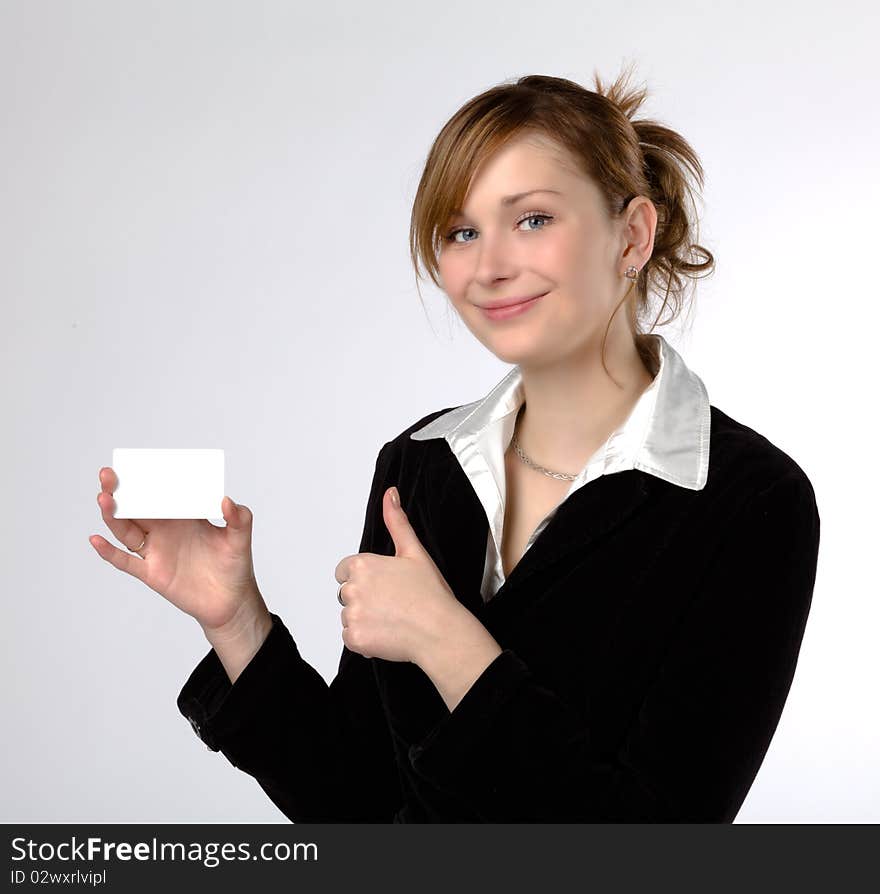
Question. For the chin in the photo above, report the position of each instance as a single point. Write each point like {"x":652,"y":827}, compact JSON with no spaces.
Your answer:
{"x":507,"y":351}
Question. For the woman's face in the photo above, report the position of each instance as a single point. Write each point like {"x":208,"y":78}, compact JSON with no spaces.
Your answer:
{"x":561,"y":246}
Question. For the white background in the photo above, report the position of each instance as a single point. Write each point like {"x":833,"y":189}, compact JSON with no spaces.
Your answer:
{"x":204,"y":214}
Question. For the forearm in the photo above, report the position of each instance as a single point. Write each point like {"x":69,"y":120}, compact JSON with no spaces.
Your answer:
{"x":237,"y":642}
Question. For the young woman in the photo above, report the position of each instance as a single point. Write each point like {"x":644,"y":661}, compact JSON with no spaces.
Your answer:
{"x":579,"y":598}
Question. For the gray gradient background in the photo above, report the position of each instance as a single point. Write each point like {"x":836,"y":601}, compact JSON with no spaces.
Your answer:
{"x":204,"y":214}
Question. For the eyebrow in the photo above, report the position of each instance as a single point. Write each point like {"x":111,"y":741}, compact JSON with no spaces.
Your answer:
{"x":509,"y":200}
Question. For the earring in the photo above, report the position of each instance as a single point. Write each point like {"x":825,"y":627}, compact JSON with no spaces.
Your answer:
{"x":632,"y":273}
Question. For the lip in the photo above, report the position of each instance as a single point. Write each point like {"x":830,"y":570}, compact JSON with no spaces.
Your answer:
{"x":505,"y":311}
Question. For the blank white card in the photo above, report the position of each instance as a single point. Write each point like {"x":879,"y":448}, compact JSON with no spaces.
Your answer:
{"x":169,"y":482}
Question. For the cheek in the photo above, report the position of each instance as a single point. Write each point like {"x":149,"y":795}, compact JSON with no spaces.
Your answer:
{"x":573,"y":254}
{"x":451,"y":274}
{"x":453,"y":283}
{"x":578,"y":273}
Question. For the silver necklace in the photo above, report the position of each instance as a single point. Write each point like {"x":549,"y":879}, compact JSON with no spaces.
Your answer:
{"x":559,"y":476}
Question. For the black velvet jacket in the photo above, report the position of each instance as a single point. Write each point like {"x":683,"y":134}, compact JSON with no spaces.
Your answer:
{"x":650,"y":637}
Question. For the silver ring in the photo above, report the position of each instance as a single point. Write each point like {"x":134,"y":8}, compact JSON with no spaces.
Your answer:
{"x":339,"y":592}
{"x":138,"y":547}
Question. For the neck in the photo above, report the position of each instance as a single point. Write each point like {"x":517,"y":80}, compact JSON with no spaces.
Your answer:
{"x":572,"y":406}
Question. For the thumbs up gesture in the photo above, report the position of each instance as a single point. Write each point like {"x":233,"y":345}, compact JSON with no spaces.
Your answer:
{"x":398,"y":607}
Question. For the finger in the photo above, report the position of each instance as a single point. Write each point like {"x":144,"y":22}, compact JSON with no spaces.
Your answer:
{"x":108,"y":479}
{"x":235,"y":514}
{"x":126,"y":562}
{"x":239,"y":524}
{"x":109,"y":483}
{"x":342,"y":572}
{"x":124,"y":529}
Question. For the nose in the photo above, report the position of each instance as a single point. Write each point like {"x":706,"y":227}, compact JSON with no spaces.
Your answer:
{"x":495,"y":261}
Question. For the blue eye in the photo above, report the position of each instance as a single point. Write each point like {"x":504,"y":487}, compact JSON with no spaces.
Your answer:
{"x":534,"y":217}
{"x":450,"y":237}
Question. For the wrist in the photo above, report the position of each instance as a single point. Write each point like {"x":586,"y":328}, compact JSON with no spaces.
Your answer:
{"x":251,"y":620}
{"x":459,"y":631}
{"x":455,"y":663}
{"x":237,"y":642}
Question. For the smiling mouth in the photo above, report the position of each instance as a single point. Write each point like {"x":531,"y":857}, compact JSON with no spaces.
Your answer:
{"x":511,"y":310}
{"x":516,"y":302}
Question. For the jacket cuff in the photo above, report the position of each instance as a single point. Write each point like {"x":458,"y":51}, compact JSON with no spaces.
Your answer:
{"x":456,"y":741}
{"x":213,"y":705}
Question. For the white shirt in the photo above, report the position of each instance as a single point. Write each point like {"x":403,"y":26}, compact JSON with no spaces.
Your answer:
{"x":666,"y":434}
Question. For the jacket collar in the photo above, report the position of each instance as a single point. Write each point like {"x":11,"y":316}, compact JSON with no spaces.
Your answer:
{"x":666,"y":437}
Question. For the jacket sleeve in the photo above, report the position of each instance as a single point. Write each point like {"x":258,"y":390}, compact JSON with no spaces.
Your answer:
{"x":322,"y":753}
{"x":516,"y":752}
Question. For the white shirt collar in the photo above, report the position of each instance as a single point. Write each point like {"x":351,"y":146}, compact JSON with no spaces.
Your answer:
{"x":666,"y":435}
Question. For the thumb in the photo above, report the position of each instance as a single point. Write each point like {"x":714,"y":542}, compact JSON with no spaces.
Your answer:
{"x":236,"y":516}
{"x":406,"y":541}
